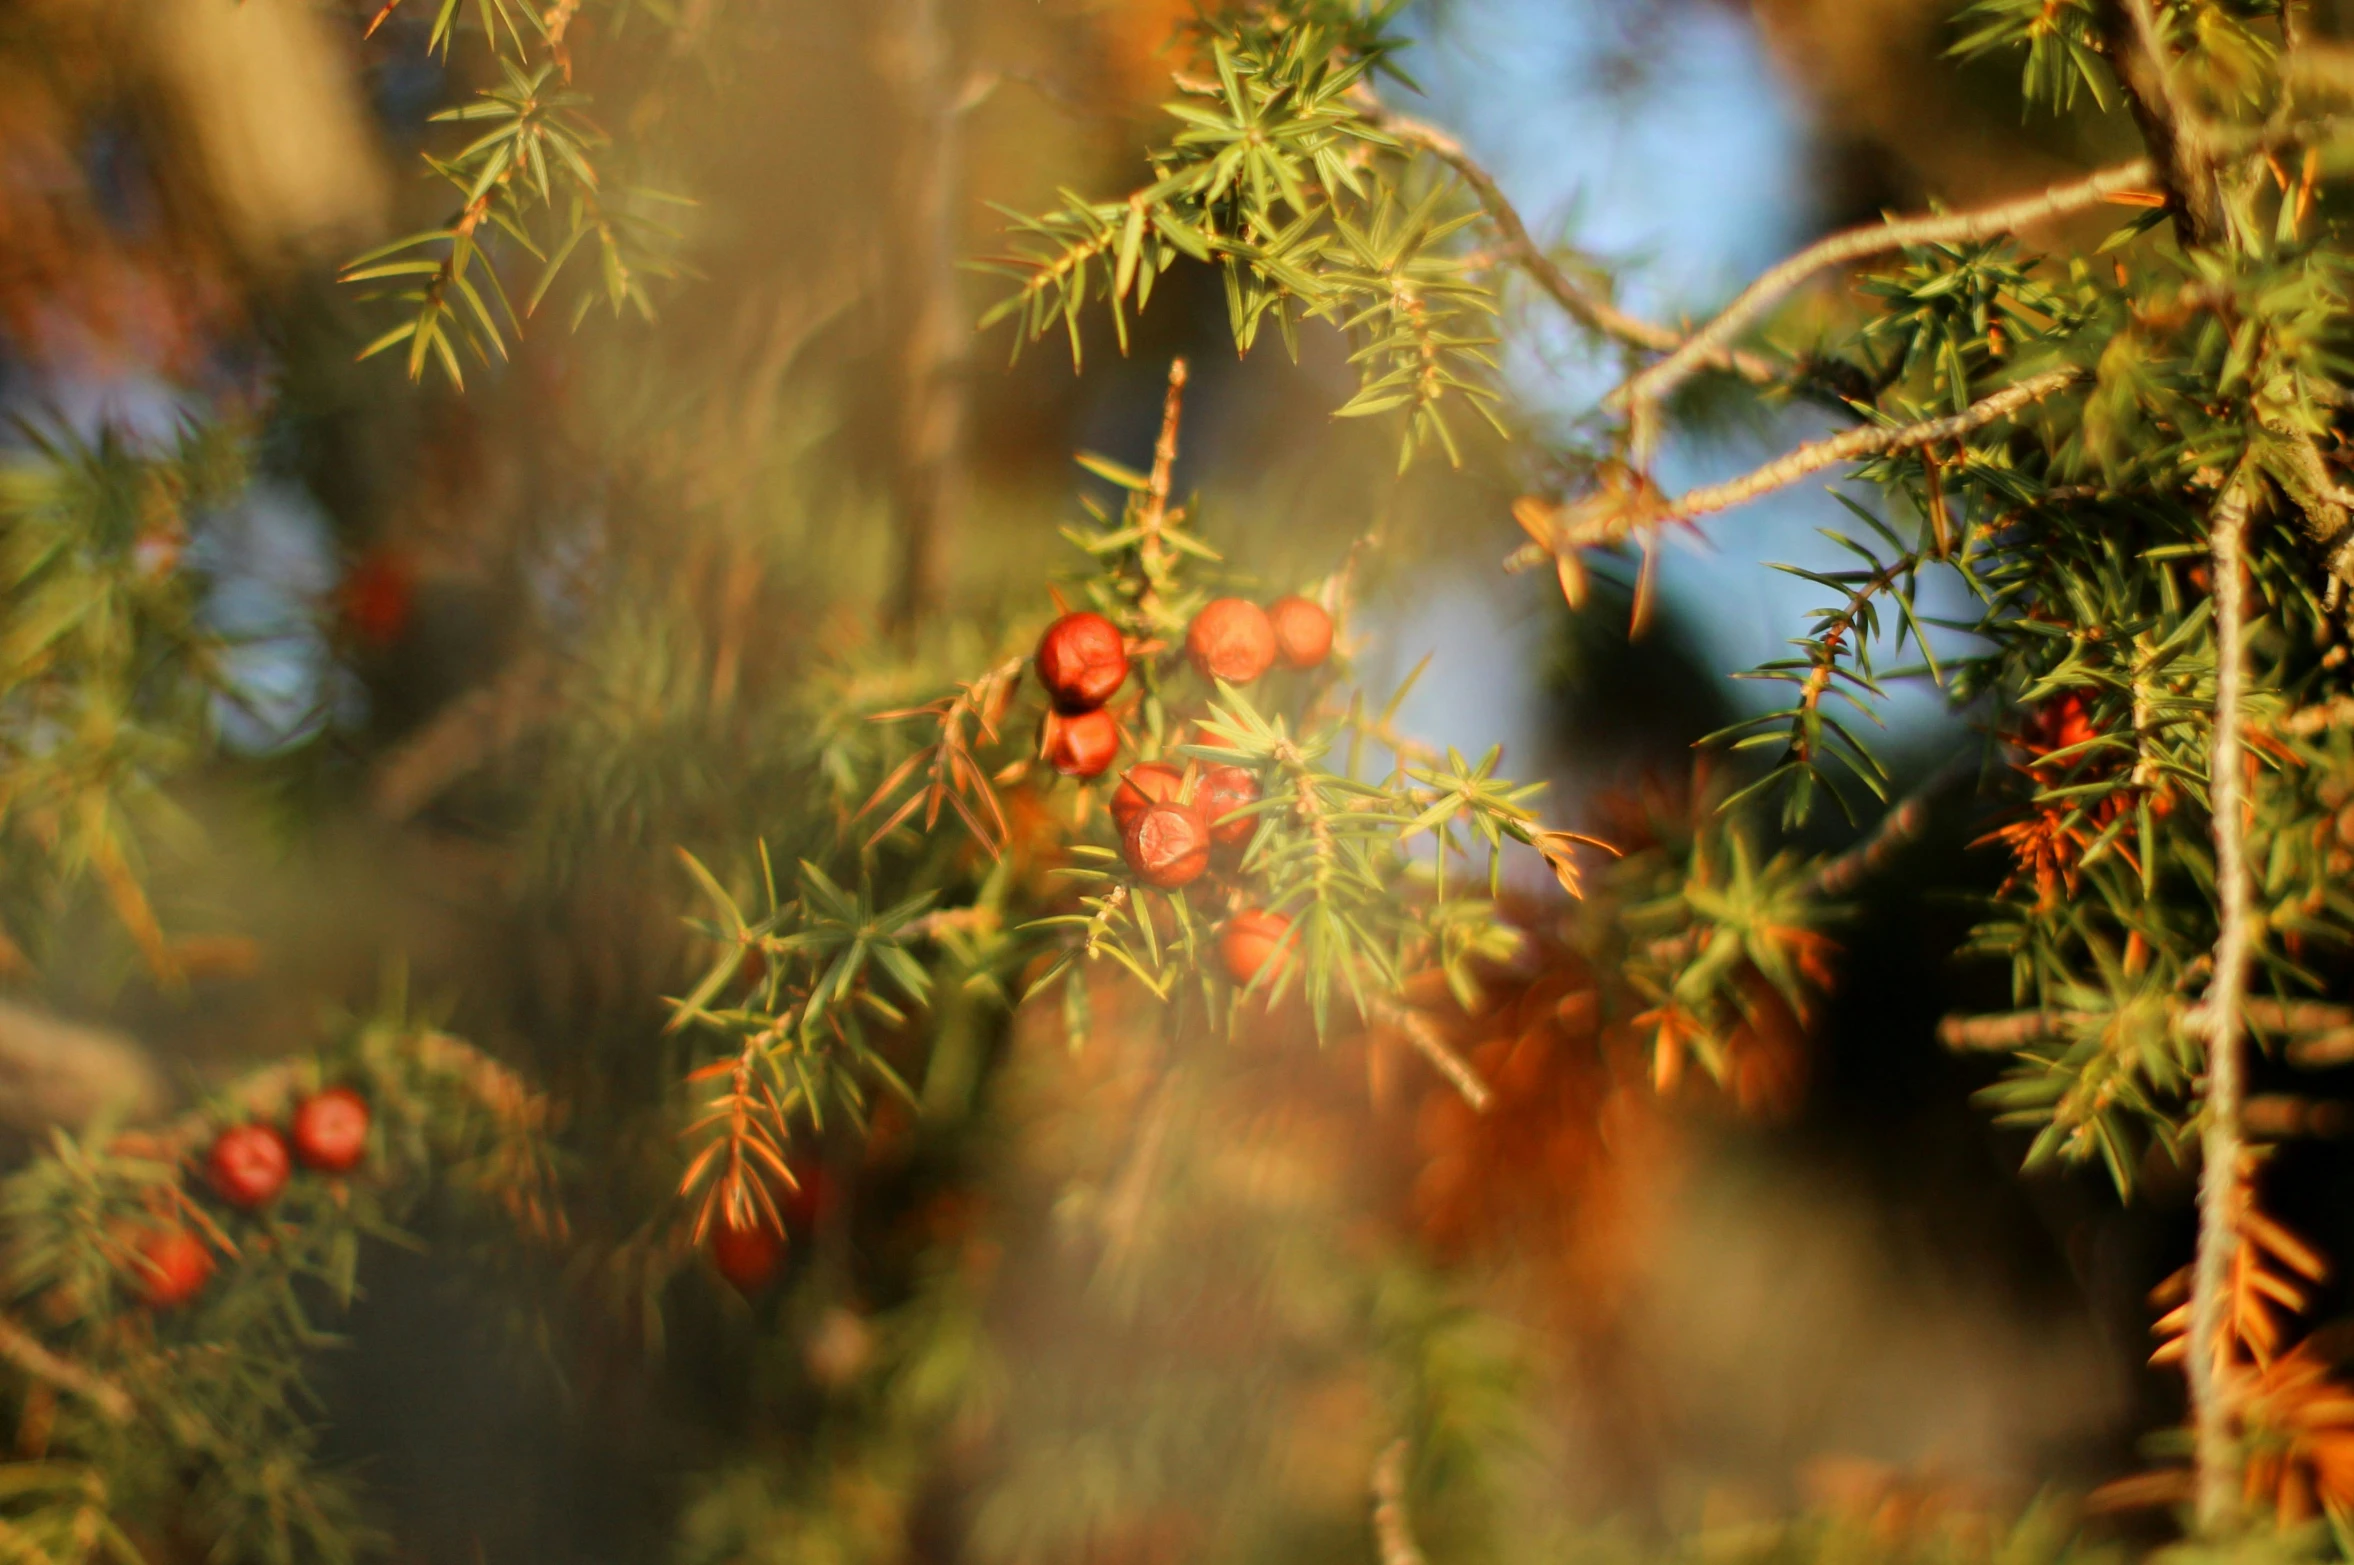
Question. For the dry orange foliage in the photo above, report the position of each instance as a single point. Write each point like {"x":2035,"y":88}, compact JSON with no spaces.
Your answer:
{"x":2294,"y":1409}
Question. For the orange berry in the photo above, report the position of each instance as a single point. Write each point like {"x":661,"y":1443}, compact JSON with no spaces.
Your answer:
{"x":1081,"y":744}
{"x":1251,"y":940}
{"x":1168,"y":846}
{"x":1081,"y":662}
{"x":1141,"y":787}
{"x":1231,"y":639}
{"x":1303,"y":631}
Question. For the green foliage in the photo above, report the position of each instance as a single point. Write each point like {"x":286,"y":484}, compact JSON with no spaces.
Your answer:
{"x":197,"y":1420}
{"x":534,"y":170}
{"x":1310,"y":211}
{"x":107,"y":672}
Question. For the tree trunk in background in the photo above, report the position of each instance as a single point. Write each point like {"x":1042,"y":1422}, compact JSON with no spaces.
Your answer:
{"x":929,"y":478}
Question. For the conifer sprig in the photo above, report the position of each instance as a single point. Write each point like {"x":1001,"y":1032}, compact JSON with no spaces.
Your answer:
{"x":535,"y":171}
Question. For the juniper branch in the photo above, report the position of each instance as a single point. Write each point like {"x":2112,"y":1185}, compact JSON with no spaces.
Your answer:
{"x":21,"y":1348}
{"x":1847,"y":446}
{"x":2218,"y":1476}
{"x":1875,"y":440}
{"x":2168,"y":128}
{"x":1651,"y":386}
{"x":1152,"y":551}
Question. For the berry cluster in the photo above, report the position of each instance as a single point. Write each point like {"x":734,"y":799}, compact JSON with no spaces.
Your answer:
{"x":1173,"y":821}
{"x":247,"y":1166}
{"x":1082,"y":662}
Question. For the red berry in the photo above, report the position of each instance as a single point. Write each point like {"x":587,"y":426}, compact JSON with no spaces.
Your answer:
{"x":331,"y":1131}
{"x":1303,"y":631}
{"x":1168,"y":846}
{"x":249,"y":1165}
{"x":1251,"y":939}
{"x":172,"y":1266}
{"x":377,"y":598}
{"x":1141,"y":787}
{"x":1081,"y":662}
{"x":1080,"y":744}
{"x":747,"y":1257}
{"x":1221,"y":791}
{"x":810,"y":1196}
{"x":1231,"y":640}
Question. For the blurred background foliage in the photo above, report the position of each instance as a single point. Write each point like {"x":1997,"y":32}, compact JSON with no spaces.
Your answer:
{"x":485,"y":660}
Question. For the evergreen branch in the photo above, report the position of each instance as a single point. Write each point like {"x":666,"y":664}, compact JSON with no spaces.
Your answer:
{"x":1873,"y":440}
{"x":1587,"y":308}
{"x":1393,"y":1528}
{"x":1651,"y":386}
{"x":2220,"y":1145}
{"x":21,"y":1348}
{"x":1152,"y":549}
{"x":2127,"y":37}
{"x":1847,"y":446}
{"x":2313,"y":1020}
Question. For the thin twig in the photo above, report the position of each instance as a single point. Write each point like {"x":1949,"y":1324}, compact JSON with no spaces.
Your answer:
{"x":1425,"y":1037}
{"x":469,"y":732}
{"x":2218,"y":1475}
{"x":1894,"y":831}
{"x":1874,"y":440}
{"x":1393,"y":1529}
{"x":1151,"y":551}
{"x":1652,"y":385}
{"x":1847,"y":446}
{"x":1587,"y":308}
{"x":2310,"y":1022}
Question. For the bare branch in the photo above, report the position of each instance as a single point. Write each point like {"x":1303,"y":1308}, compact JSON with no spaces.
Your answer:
{"x":1582,"y":305}
{"x":1652,"y":385}
{"x":2219,"y":1175}
{"x":2315,"y":1025}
